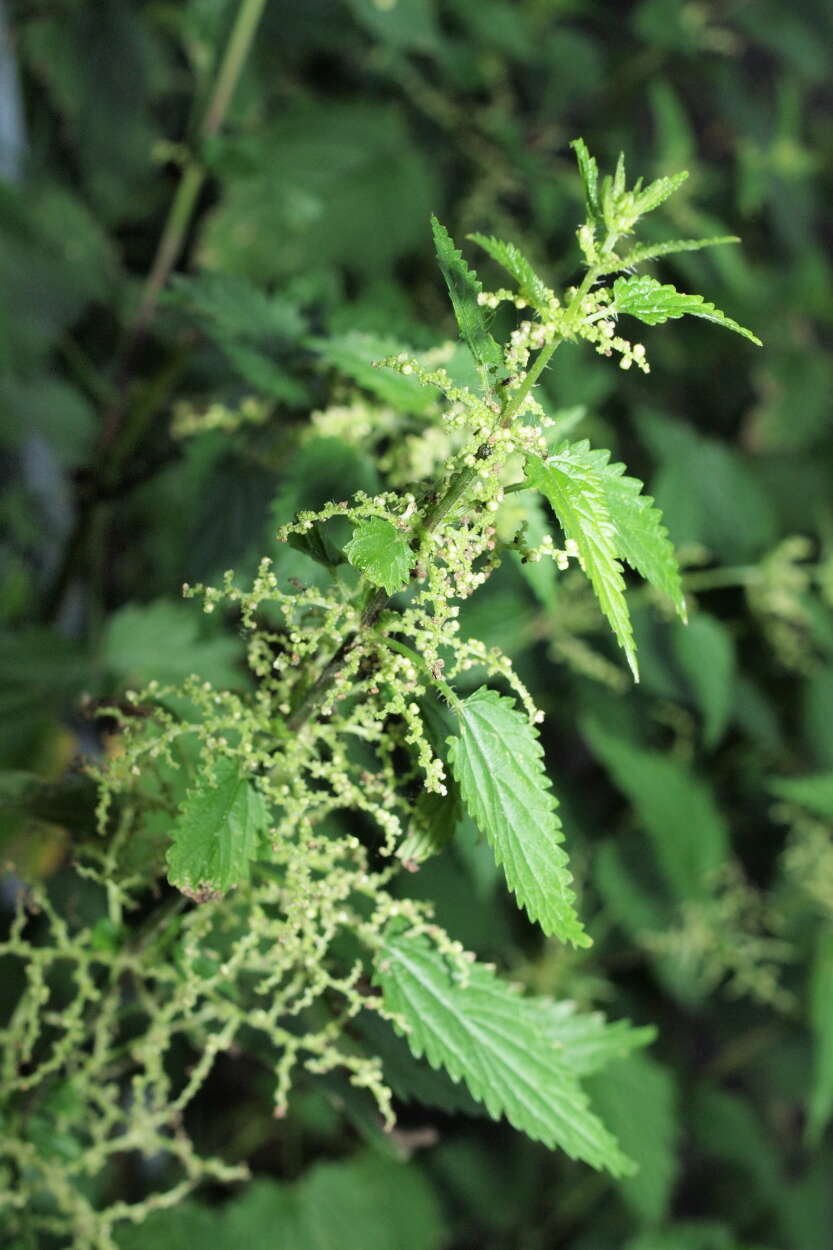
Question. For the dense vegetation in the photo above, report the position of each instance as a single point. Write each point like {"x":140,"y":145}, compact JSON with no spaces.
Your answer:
{"x":358,"y":897}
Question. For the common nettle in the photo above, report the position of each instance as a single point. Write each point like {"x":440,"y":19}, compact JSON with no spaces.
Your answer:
{"x":287,"y":816}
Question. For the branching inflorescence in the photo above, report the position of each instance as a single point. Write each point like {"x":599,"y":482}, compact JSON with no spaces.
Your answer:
{"x":283,"y":813}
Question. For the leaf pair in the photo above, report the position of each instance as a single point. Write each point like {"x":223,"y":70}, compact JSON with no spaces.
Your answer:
{"x":609,"y":519}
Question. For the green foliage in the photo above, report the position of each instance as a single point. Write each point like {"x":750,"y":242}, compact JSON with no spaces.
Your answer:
{"x":676,"y":810}
{"x":497,"y":761}
{"x":589,"y":172}
{"x":653,"y":251}
{"x":636,"y":1097}
{"x":217,"y":832}
{"x":223,"y":318}
{"x":588,"y":1041}
{"x":366,"y":1201}
{"x":464,"y":288}
{"x":246,"y":324}
{"x":821,"y":1017}
{"x":529,"y":285}
{"x":706,"y":656}
{"x":164,"y":640}
{"x":576,"y":492}
{"x":653,"y":303}
{"x":381,"y":553}
{"x":477,"y":1028}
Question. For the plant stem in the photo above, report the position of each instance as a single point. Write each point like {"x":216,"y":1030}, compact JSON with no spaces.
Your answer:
{"x":117,"y":444}
{"x":176,"y":226}
{"x":434,"y":516}
{"x":532,"y":375}
{"x":417,"y":659}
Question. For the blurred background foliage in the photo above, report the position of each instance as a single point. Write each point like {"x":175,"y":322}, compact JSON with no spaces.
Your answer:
{"x":699,"y":806}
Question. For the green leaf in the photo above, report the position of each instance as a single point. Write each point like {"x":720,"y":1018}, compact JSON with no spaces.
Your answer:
{"x":657,"y":192}
{"x":575,"y":488}
{"x":481,"y":1031}
{"x":408,"y":24}
{"x":497,"y":762}
{"x":706,"y":655}
{"x":640,"y":537}
{"x":689,"y":1235}
{"x":651,"y":251}
{"x":410,"y":1079}
{"x":167,"y":641}
{"x":652,"y":302}
{"x":216,"y":834}
{"x":324,"y":184}
{"x":815,"y":792}
{"x":821,"y":1020}
{"x":588,"y":1041}
{"x":589,"y":171}
{"x":676,"y":809}
{"x":464,"y":288}
{"x":638,"y":1099}
{"x":365,"y":1200}
{"x":386,"y":1202}
{"x":246,"y":324}
{"x":381,"y":553}
{"x":708,"y":492}
{"x":353,"y":354}
{"x":433,"y":824}
{"x":316,"y":544}
{"x":511,"y":258}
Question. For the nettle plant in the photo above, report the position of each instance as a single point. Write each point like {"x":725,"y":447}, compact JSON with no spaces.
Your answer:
{"x":287,"y":938}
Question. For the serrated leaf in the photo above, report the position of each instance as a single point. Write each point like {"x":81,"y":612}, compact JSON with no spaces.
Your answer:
{"x":640,"y":537}
{"x":589,"y":171}
{"x":652,"y":251}
{"x":588,"y":1040}
{"x":409,"y":1078}
{"x":497,"y":762}
{"x":484,"y":1033}
{"x":530,"y":287}
{"x":381,"y":553}
{"x":576,"y":492}
{"x":464,"y":288}
{"x":216,"y":834}
{"x":657,"y":192}
{"x":653,"y":302}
